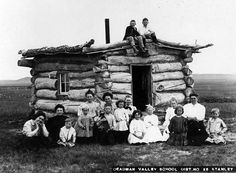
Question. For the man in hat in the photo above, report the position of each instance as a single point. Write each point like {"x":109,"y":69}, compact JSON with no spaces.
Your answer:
{"x":195,"y":113}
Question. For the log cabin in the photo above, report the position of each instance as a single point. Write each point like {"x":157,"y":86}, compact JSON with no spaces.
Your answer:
{"x":62,"y":75}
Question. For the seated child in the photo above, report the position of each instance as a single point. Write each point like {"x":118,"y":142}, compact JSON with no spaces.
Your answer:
{"x":84,"y":126}
{"x":216,"y":128}
{"x":122,"y":120}
{"x":67,"y":134}
{"x":153,"y":133}
{"x":105,"y":126}
{"x":178,"y":128}
{"x":137,"y":129}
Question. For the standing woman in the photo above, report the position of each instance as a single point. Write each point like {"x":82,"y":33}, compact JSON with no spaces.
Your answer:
{"x":107,"y":98}
{"x":170,"y":113}
{"x":55,"y":123}
{"x":93,"y":106}
{"x":153,"y":133}
{"x":195,"y":113}
{"x":128,"y":105}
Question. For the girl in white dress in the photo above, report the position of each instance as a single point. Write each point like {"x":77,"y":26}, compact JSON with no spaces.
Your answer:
{"x":122,"y":120}
{"x":137,"y":129}
{"x":153,"y":133}
{"x":216,"y":128}
{"x":170,"y":113}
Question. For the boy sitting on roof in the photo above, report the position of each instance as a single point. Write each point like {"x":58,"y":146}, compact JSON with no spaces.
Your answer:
{"x":147,"y":32}
{"x":132,"y":35}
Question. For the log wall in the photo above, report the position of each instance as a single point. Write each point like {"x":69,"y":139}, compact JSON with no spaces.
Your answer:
{"x":171,"y":77}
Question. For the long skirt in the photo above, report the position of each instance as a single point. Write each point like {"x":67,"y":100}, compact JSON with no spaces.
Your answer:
{"x":178,"y":139}
{"x":106,"y":137}
{"x":153,"y":134}
{"x":196,"y":133}
{"x":134,"y":140}
{"x":217,"y":139}
{"x":121,"y":136}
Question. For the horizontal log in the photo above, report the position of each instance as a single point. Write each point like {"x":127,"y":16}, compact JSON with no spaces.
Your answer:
{"x":167,"y":76}
{"x":45,"y":83}
{"x":115,"y":68}
{"x":51,"y":75}
{"x":49,"y":105}
{"x":83,"y":83}
{"x":106,"y":46}
{"x":80,"y":75}
{"x":78,"y":94}
{"x":189,"y":80}
{"x":46,"y":94}
{"x":124,"y":60}
{"x":164,"y":98}
{"x":120,"y":96}
{"x":47,"y":67}
{"x":122,"y":88}
{"x":26,"y":63}
{"x":121,"y":77}
{"x":188,"y":91}
{"x":100,"y":90}
{"x":66,"y":59}
{"x":169,"y":85}
{"x":164,"y":67}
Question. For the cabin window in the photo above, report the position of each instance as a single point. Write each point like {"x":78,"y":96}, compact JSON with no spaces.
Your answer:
{"x":63,"y":79}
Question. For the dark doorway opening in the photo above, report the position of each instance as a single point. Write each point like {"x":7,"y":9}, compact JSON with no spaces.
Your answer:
{"x":141,"y":85}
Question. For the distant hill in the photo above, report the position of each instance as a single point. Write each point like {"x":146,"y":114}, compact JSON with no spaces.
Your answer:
{"x":20,"y":82}
{"x":198,"y":78}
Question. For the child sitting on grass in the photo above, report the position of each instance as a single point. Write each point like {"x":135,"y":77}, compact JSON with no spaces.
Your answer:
{"x":67,"y":134}
{"x":178,"y":128}
{"x":137,"y":129}
{"x":216,"y":128}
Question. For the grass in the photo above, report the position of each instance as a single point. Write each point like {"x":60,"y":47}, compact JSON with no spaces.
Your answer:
{"x":16,"y":156}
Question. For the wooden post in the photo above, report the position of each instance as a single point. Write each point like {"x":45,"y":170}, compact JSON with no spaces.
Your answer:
{"x":107,"y":31}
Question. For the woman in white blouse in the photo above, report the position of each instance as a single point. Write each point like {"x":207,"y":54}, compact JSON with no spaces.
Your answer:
{"x":36,"y":131}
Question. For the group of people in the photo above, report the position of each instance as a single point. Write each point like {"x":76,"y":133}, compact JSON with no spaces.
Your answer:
{"x":108,"y":124}
{"x":133,"y":35}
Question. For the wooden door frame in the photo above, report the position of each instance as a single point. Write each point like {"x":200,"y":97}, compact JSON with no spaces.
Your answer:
{"x":150,"y":65}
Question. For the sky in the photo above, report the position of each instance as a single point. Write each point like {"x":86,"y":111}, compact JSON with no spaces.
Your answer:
{"x":28,"y":24}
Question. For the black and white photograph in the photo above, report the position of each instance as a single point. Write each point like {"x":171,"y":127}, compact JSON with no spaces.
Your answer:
{"x":117,"y":86}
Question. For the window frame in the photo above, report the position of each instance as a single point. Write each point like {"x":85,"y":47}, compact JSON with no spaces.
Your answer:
{"x":66,"y":82}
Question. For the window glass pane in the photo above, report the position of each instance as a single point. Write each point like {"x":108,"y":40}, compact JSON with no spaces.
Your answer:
{"x":64,"y":83}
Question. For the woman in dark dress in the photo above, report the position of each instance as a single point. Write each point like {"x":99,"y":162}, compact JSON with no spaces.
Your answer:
{"x":55,"y":123}
{"x":178,"y":128}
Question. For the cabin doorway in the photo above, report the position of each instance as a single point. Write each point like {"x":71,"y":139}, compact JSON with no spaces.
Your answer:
{"x":141,"y":85}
